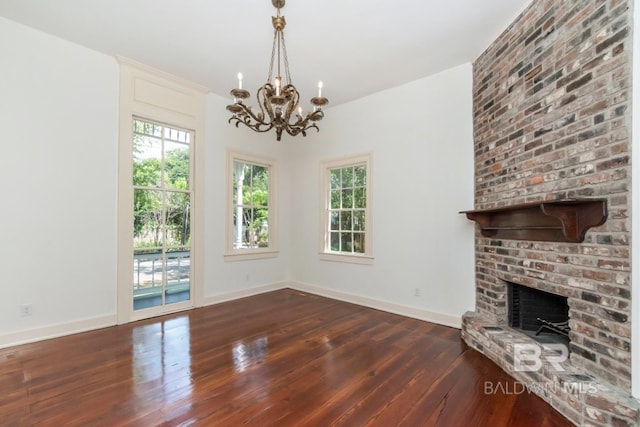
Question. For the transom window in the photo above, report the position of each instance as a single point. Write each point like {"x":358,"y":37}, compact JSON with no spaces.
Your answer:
{"x":251,"y":211}
{"x":347,"y":214}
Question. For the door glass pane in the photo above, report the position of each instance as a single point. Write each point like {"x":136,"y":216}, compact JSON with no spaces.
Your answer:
{"x":178,"y":276}
{"x":178,"y":226}
{"x":148,"y":218}
{"x":147,"y":158}
{"x":147,"y":278}
{"x":176,"y":165}
{"x":162,"y":215}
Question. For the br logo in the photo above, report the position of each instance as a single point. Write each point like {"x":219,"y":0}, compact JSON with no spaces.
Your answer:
{"x":529,"y":357}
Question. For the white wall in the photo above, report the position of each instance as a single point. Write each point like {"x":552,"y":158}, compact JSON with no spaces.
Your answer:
{"x":59,"y":127}
{"x":58,"y":168}
{"x":228,"y":279}
{"x":421,"y":138}
{"x":59,"y":124}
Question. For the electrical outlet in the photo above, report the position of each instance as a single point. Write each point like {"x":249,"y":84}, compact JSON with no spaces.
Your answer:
{"x":25,"y":310}
{"x":416,"y":292}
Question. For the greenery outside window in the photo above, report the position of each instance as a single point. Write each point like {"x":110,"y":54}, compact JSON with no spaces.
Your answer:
{"x":251,"y":212}
{"x":346,"y":218}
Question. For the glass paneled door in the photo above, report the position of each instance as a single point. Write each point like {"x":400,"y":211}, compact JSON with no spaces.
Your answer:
{"x":162,"y":194}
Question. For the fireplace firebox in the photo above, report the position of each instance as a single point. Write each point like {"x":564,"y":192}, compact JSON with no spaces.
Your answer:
{"x":541,"y":315}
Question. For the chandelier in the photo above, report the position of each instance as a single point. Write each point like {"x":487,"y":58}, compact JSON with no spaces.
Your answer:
{"x":278,"y":100}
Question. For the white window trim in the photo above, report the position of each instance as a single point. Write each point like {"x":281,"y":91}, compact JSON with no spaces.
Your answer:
{"x":272,"y":251}
{"x":326,"y":255}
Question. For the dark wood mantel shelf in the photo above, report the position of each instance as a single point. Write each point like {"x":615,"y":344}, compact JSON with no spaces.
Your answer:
{"x":556,"y":220}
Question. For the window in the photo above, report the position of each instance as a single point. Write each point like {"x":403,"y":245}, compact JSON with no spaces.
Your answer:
{"x":251,"y":212}
{"x":346,"y":222}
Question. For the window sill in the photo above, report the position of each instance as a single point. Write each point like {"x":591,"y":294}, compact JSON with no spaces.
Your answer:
{"x":351,"y":259}
{"x":245,"y":256}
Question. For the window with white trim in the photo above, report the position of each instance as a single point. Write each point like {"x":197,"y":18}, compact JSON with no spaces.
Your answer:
{"x":251,"y":207}
{"x":346,"y":201}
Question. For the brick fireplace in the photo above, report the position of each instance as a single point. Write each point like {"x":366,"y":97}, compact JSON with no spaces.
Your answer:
{"x":552,"y":122}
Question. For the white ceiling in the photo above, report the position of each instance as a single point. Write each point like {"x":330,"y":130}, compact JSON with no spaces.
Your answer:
{"x":356,"y":47}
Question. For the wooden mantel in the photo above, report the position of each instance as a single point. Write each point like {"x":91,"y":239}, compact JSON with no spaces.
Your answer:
{"x":556,"y":220}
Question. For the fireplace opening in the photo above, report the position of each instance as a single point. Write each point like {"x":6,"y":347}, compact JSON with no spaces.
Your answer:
{"x":541,"y":315}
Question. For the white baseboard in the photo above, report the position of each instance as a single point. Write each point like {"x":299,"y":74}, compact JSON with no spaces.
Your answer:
{"x":390,"y":307}
{"x":59,"y":330}
{"x":233,"y":295}
{"x":55,"y":331}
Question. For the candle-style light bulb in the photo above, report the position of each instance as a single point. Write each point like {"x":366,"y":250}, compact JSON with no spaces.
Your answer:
{"x":239,"y":80}
{"x":278,"y":86}
{"x":300,"y":111}
{"x":320,"y":89}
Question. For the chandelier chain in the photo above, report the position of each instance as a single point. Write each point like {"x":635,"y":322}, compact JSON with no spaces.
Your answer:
{"x":273,"y":55}
{"x":285,"y":59}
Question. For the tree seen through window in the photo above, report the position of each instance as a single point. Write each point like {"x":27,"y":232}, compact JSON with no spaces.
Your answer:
{"x":250,"y":205}
{"x":347,"y":209}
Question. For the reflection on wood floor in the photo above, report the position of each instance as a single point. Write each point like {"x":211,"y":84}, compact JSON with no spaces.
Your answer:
{"x":281,"y":358}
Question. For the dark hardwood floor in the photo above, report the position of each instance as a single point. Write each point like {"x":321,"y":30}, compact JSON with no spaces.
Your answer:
{"x":281,"y":358}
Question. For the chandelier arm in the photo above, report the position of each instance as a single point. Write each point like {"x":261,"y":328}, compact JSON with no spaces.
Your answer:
{"x":293,"y":99}
{"x":302,"y":125}
{"x":246,"y":115}
{"x":295,"y":130}
{"x":249,"y":115}
{"x":256,"y":127}
{"x":264,"y":104}
{"x":313,"y":117}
